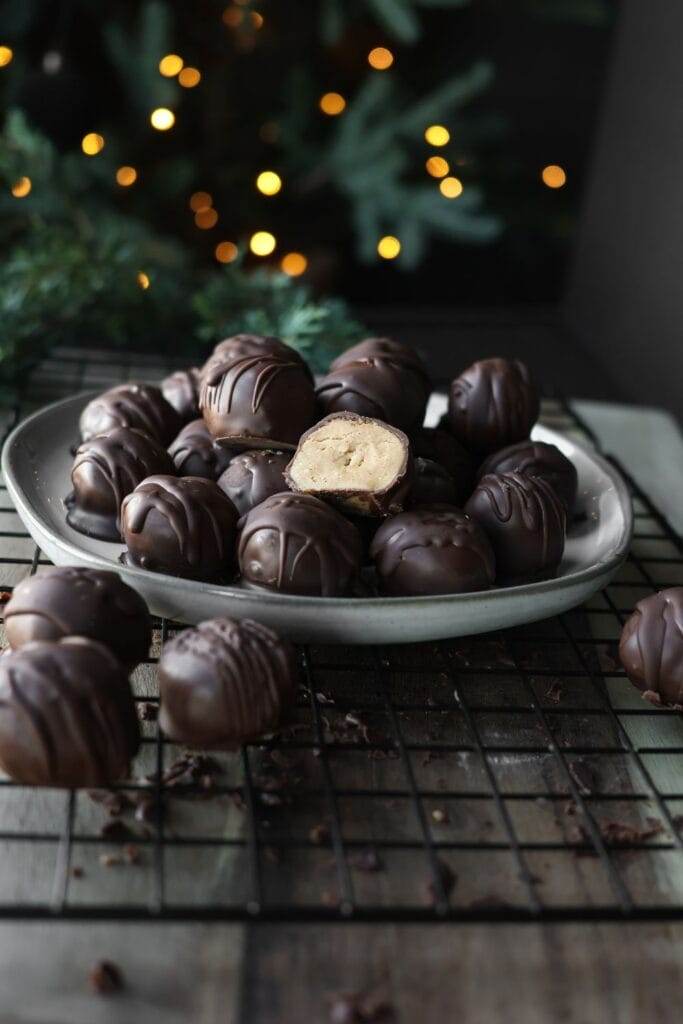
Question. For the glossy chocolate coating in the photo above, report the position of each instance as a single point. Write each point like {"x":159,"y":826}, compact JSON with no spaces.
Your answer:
{"x":195,"y":454}
{"x":437,"y":550}
{"x":535,"y":458}
{"x":140,"y":406}
{"x":432,"y":485}
{"x":375,"y":387}
{"x":492,"y":404}
{"x":440,"y":446}
{"x":240,"y":345}
{"x":180,"y":526}
{"x":105,"y":469}
{"x":68,"y":601}
{"x":252,"y":477}
{"x":526,"y":523}
{"x":181,"y":390}
{"x":297,"y":544}
{"x":385,"y":348}
{"x":265,"y":400}
{"x":651,"y":647}
{"x":67,"y":716}
{"x":224,"y":683}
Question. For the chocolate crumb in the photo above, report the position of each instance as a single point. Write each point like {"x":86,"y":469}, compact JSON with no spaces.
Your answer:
{"x":116,"y":830}
{"x":132,"y":854}
{"x":105,"y":978}
{"x":77,"y":871}
{"x":5,"y":596}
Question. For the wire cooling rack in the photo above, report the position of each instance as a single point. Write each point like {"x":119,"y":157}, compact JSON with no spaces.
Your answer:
{"x":511,"y":776}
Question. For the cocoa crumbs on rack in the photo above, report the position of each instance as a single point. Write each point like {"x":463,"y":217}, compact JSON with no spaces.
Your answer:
{"x":105,"y":978}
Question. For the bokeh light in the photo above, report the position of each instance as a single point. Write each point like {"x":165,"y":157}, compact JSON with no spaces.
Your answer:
{"x":226,"y":252}
{"x":126,"y":176}
{"x":380,"y":58}
{"x":553,"y":176}
{"x":269,"y":183}
{"x":200,"y":201}
{"x":437,"y":135}
{"x":451,"y":188}
{"x":92,"y":144}
{"x":332,"y":103}
{"x":262,"y":243}
{"x":206,"y":219}
{"x":170,"y":65}
{"x":294,"y":264}
{"x":189,"y":77}
{"x":389,"y":247}
{"x":162,"y":119}
{"x":6,"y":55}
{"x":437,"y":166}
{"x":232,"y":17}
{"x":21,"y":187}
{"x":143,"y":280}
{"x":257,"y":19}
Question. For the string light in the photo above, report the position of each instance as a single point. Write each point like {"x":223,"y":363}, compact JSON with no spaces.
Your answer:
{"x":451,"y":188}
{"x":170,"y":65}
{"x":206,"y":219}
{"x":21,"y":187}
{"x":388,"y":247}
{"x":437,"y":166}
{"x":162,"y":119}
{"x":226,"y":252}
{"x":437,"y":135}
{"x":380,"y":58}
{"x":294,"y":264}
{"x":257,"y":20}
{"x":189,"y":77}
{"x":6,"y":55}
{"x":332,"y":103}
{"x":269,"y":183}
{"x":126,"y":176}
{"x":553,"y":176}
{"x":143,"y":281}
{"x":262,"y":243}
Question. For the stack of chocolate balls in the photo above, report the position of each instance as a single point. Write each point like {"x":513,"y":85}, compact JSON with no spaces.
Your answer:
{"x":246,"y":470}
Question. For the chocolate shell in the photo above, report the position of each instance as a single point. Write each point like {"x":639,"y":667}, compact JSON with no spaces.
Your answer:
{"x":180,"y":526}
{"x":535,"y":458}
{"x":195,"y":454}
{"x":139,"y":406}
{"x":492,"y":404}
{"x":440,"y":446}
{"x":377,"y":388}
{"x":252,"y":477}
{"x":526,"y":523}
{"x":67,"y":716}
{"x":181,"y":390}
{"x":107,"y":468}
{"x":65,"y":601}
{"x":651,"y":647}
{"x":385,"y":348}
{"x":360,"y":464}
{"x":239,"y":345}
{"x":431,"y":485}
{"x":297,"y":544}
{"x":437,"y":550}
{"x":225,"y":683}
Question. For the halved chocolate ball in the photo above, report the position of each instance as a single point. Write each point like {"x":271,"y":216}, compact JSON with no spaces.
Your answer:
{"x":195,"y":453}
{"x":535,"y":458}
{"x":181,"y":390}
{"x":253,"y":476}
{"x":139,"y":406}
{"x":493,"y":403}
{"x":651,"y":647}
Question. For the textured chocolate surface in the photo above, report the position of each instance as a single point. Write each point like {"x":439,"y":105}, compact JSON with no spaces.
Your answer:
{"x":67,"y":601}
{"x":385,"y":348}
{"x":252,"y":477}
{"x":526,"y":523}
{"x":431,"y":485}
{"x":224,"y":683}
{"x":195,"y":454}
{"x":297,"y":544}
{"x":535,"y":458}
{"x":67,"y":716}
{"x":140,"y":406}
{"x":180,"y":526}
{"x":437,"y":550}
{"x":107,"y":468}
{"x":181,"y":390}
{"x":263,"y":399}
{"x":440,"y":446}
{"x":492,"y":404}
{"x":240,"y":345}
{"x":651,"y":647}
{"x":377,"y":388}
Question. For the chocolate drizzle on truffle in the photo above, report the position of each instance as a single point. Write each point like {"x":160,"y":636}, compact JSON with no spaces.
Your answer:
{"x":240,"y":345}
{"x":535,"y":458}
{"x":194,"y":452}
{"x":377,"y":388}
{"x":252,"y":477}
{"x":492,"y":404}
{"x":651,"y":647}
{"x":181,"y":390}
{"x":385,"y":348}
{"x":140,"y":406}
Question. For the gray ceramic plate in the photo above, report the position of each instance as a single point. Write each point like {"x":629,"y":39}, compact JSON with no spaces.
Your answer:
{"x":36,"y":462}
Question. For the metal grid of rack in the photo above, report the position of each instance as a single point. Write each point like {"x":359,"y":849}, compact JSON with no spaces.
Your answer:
{"x":511,"y":776}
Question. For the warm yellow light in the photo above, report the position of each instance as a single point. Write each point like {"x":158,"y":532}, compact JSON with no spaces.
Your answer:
{"x":256,"y":19}
{"x":388,"y":247}
{"x":170,"y":65}
{"x":437,"y":166}
{"x":451,"y":188}
{"x":262,"y":243}
{"x":206,"y":219}
{"x":332,"y":103}
{"x":437,"y":135}
{"x":6,"y":55}
{"x":143,"y":281}
{"x":225,"y":252}
{"x":380,"y":58}
{"x":294,"y":264}
{"x":189,"y":77}
{"x":232,"y":17}
{"x":92,"y":144}
{"x":162,"y":119}
{"x":553,"y":176}
{"x":126,"y":176}
{"x":21,"y":187}
{"x":269,"y":183}
{"x":200,"y":201}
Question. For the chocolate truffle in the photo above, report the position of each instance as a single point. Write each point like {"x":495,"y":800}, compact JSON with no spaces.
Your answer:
{"x":432,"y":485}
{"x":492,"y":404}
{"x":67,"y":716}
{"x":358,"y":463}
{"x":525,"y":521}
{"x":297,"y":544}
{"x":440,"y":446}
{"x":252,"y":477}
{"x":651,"y":647}
{"x":262,"y":400}
{"x":107,"y":468}
{"x":535,"y":458}
{"x":180,"y":526}
{"x":225,"y":683}
{"x":195,"y":454}
{"x":140,"y":406}
{"x":69,"y":601}
{"x":377,"y":388}
{"x":181,"y":390}
{"x":240,"y":345}
{"x":437,"y":550}
{"x":385,"y":348}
